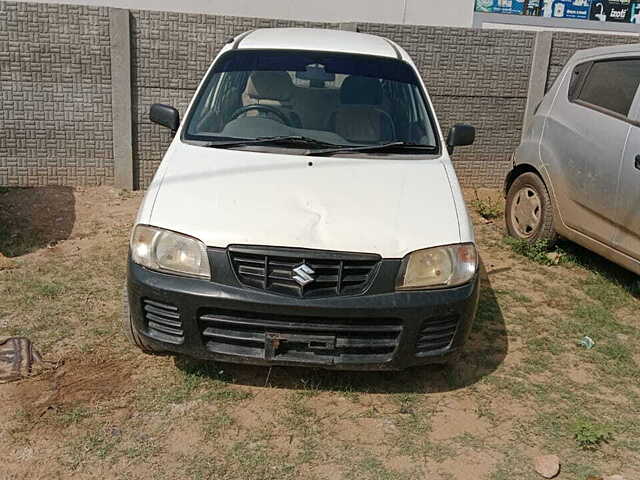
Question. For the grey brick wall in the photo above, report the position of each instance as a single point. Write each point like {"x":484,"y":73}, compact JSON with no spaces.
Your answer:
{"x":55,"y":85}
{"x":55,"y":95}
{"x":473,"y":76}
{"x":565,"y":44}
{"x":170,"y":54}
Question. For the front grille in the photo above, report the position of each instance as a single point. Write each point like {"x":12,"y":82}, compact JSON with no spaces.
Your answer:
{"x":272,"y":269}
{"x":163,"y":321}
{"x":300,"y":338}
{"x":436,"y":334}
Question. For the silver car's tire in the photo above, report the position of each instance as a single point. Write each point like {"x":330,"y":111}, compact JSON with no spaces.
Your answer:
{"x":529,"y":211}
{"x":129,"y":331}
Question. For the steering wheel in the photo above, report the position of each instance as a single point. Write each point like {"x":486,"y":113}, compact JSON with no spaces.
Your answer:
{"x":262,"y":108}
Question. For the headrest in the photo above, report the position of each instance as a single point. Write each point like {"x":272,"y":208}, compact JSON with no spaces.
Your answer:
{"x":270,"y":86}
{"x":361,"y":91}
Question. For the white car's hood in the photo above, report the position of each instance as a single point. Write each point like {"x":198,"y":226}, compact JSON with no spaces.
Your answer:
{"x":224,"y":197}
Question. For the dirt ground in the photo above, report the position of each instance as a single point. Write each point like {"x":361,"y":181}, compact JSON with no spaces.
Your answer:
{"x":102,"y":410}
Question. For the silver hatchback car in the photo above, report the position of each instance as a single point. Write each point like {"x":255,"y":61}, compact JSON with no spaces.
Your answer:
{"x":577,"y":172}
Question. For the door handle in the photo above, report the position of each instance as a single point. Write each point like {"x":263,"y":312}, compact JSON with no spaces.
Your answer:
{"x":638,"y":162}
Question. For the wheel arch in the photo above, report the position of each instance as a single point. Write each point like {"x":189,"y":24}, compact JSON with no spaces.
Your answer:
{"x":519,"y":170}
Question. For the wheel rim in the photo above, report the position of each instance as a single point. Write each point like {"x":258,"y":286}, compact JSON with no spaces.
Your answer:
{"x":526,"y":212}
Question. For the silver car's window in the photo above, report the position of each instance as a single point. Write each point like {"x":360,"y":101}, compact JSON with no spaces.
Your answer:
{"x":611,"y":84}
{"x":340,"y":99}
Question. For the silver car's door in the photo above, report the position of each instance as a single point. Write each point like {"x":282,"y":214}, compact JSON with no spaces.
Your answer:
{"x":627,"y":239}
{"x":583,"y":144}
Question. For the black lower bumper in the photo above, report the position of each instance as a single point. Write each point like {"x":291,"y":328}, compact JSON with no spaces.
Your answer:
{"x":386,"y":331}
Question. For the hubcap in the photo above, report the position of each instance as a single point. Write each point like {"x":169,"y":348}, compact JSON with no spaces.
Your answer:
{"x":526,"y":212}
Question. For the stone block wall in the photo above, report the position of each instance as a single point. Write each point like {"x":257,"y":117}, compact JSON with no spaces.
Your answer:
{"x":56,"y":121}
{"x":55,"y":95}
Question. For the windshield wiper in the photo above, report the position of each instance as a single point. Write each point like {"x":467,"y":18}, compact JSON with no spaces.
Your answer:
{"x":392,"y":146}
{"x":294,"y":140}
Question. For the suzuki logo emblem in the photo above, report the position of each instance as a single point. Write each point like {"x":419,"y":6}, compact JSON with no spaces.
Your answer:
{"x":303,"y":274}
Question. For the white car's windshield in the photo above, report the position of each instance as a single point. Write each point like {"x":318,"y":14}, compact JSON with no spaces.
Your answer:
{"x":334,"y":99}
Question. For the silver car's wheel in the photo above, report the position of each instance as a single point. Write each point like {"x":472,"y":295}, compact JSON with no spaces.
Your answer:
{"x":529,"y":211}
{"x":526,"y":212}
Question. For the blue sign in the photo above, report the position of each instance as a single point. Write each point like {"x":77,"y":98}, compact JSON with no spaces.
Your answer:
{"x":568,"y":9}
{"x":627,"y":11}
{"x":515,"y":7}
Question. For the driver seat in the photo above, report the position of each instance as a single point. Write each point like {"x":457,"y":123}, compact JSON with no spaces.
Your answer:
{"x":275,"y":89}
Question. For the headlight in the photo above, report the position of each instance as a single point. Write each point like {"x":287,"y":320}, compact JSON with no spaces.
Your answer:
{"x":438,"y":267}
{"x":171,"y":252}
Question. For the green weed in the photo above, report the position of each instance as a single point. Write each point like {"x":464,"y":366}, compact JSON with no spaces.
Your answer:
{"x":589,"y":435}
{"x":487,"y":208}
{"x":537,"y":251}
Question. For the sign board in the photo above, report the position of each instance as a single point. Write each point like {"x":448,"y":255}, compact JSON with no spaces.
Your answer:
{"x":627,"y":11}
{"x":568,"y":9}
{"x":513,"y":7}
{"x":611,"y":10}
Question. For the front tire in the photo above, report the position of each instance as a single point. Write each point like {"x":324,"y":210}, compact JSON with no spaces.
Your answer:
{"x":529,"y":211}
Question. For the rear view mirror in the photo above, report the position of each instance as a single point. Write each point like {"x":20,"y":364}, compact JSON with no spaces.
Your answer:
{"x":165,"y":115}
{"x":460,"y":135}
{"x":316,"y":73}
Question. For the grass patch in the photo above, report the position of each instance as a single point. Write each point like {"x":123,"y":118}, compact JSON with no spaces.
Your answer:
{"x":73,"y":416}
{"x":48,"y":290}
{"x":254,"y":461}
{"x":489,"y":313}
{"x":520,"y":297}
{"x":143,"y":449}
{"x":537,"y":251}
{"x":193,"y":380}
{"x":303,"y":422}
{"x":590,"y":435}
{"x":615,"y":342}
{"x":612,"y":294}
{"x":94,"y":445}
{"x":371,"y":468}
{"x":225,"y":395}
{"x":487,"y":208}
{"x":213,"y":425}
{"x":247,"y":459}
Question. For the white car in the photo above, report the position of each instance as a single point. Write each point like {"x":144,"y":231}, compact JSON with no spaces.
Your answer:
{"x":306,"y":213}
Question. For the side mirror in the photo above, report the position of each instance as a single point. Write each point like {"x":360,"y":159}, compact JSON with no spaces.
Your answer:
{"x":165,"y":115}
{"x":460,"y":135}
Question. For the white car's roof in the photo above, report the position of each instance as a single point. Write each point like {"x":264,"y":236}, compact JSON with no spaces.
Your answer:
{"x":632,"y":48}
{"x":317,"y":39}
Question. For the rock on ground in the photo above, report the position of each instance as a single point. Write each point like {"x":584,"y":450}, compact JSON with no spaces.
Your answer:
{"x":547,"y":465}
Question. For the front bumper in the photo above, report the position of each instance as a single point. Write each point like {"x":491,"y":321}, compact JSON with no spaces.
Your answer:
{"x":373,"y":331}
